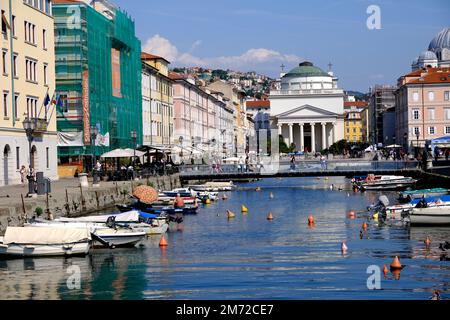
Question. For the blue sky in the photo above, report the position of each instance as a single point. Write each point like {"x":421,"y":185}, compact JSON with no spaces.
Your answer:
{"x":260,"y":35}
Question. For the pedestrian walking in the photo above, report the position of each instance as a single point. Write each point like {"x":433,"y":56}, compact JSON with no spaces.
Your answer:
{"x":23,"y":174}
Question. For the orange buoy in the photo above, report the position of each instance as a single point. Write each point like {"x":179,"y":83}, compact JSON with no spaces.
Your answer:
{"x":427,"y":241}
{"x":364,"y":226}
{"x":360,"y":234}
{"x":344,"y":247}
{"x":230,"y":214}
{"x":385,"y":270}
{"x":310,"y":219}
{"x":270,"y":216}
{"x":163,"y":242}
{"x":395,"y":264}
{"x":351,"y":214}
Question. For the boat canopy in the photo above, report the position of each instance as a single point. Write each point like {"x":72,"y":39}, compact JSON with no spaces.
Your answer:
{"x":442,"y":142}
{"x":129,"y":216}
{"x":45,"y":235}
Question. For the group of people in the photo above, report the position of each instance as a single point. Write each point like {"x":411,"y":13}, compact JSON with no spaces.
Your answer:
{"x":25,"y":174}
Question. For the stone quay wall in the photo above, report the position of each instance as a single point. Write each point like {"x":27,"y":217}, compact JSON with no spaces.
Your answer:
{"x":68,"y":199}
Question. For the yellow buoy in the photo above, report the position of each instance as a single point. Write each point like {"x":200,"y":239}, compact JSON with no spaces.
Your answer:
{"x":244,"y":208}
{"x":375,"y":216}
{"x":207,"y":201}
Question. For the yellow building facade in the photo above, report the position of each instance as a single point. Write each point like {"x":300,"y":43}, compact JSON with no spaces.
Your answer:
{"x":158,"y":121}
{"x":27,"y":76}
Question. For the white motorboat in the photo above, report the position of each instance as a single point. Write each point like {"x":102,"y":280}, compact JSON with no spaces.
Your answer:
{"x":430,"y":215}
{"x":124,"y":217}
{"x":37,"y":242}
{"x":208,"y":195}
{"x":102,"y":234}
{"x":214,"y":186}
{"x":117,"y":237}
{"x":373,"y":182}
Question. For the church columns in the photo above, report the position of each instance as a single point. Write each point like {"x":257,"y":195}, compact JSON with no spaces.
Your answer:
{"x":279,"y":129}
{"x":302,"y":144}
{"x":291,"y":134}
{"x":313,"y":138}
{"x":334,"y":133}
{"x":324,"y":133}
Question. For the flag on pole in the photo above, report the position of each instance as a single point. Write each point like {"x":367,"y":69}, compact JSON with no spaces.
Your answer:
{"x":46,"y":100}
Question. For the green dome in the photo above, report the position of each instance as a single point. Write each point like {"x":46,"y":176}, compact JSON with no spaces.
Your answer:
{"x":306,"y":69}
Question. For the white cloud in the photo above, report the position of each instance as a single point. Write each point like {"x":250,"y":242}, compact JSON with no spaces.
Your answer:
{"x":251,"y":58}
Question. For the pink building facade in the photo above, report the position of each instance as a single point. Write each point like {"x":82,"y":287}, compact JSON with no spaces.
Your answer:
{"x":422,"y":106}
{"x":196,"y":121}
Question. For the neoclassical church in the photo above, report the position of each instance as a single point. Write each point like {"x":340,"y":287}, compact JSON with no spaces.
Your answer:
{"x":438,"y":53}
{"x":307,"y":108}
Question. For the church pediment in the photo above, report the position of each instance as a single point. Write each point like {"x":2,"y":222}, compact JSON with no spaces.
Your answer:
{"x":306,"y":111}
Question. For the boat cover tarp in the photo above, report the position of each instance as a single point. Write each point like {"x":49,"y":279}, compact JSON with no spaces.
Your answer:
{"x":129,"y":216}
{"x":147,"y":215}
{"x":444,"y":198}
{"x":45,"y":236}
{"x":425,"y":191}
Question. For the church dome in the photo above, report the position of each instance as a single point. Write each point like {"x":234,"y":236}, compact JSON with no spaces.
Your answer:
{"x":440,"y":41}
{"x":427,"y":55}
{"x":306,"y":69}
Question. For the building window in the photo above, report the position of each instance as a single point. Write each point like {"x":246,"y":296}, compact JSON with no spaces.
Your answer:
{"x":430,"y":95}
{"x":446,"y":95}
{"x":447,"y":113}
{"x":45,"y":74}
{"x":430,"y":114}
{"x":415,"y":96}
{"x":5,"y":104}
{"x":47,"y":157}
{"x":30,"y":32}
{"x":447,"y":130}
{"x":16,"y":106}
{"x":416,"y":114}
{"x":431,"y":130}
{"x":31,"y":70}
{"x":17,"y":158}
{"x":416,"y":131}
{"x":13,"y":26}
{"x":5,"y":25}
{"x":15,"y":65}
{"x":4,"y":62}
{"x":44,"y":42}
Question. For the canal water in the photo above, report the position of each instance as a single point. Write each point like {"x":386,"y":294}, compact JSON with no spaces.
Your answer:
{"x":249,"y":257}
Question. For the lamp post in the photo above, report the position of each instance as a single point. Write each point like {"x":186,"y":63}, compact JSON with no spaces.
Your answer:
{"x":30,"y":126}
{"x":417,"y":143}
{"x":405,"y":138}
{"x":94,"y":133}
{"x":134,"y":137}
{"x":180,"y":139}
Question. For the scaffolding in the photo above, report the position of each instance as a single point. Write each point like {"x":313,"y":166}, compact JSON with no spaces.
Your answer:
{"x":84,"y":46}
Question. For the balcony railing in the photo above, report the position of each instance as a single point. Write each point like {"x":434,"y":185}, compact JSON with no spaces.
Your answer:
{"x":305,"y":91}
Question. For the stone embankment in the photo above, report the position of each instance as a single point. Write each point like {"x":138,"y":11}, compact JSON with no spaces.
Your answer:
{"x":67,"y":198}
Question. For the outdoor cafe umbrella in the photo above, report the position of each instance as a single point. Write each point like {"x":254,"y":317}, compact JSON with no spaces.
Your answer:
{"x":145,"y":194}
{"x":122,"y":153}
{"x":394,"y":146}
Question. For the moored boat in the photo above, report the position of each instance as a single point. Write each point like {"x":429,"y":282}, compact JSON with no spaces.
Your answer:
{"x":436,"y":215}
{"x":37,"y":242}
{"x":373,"y":182}
{"x":409,"y":195}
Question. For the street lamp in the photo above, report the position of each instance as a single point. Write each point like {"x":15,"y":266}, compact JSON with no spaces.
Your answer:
{"x":405,"y":138}
{"x":94,"y":133}
{"x":180,"y":139}
{"x":30,"y":126}
{"x":417,"y":143}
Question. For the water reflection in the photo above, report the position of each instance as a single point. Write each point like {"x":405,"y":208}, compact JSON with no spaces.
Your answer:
{"x":249,"y":257}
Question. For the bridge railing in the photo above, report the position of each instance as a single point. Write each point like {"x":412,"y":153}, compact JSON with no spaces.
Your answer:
{"x":300,"y":166}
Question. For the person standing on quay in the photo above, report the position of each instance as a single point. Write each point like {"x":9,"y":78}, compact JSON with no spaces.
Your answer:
{"x":23,"y":174}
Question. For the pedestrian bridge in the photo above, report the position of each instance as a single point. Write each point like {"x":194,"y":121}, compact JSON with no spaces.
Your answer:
{"x":307,"y":168}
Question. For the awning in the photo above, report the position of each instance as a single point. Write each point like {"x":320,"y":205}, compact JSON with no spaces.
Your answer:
{"x":122,"y":153}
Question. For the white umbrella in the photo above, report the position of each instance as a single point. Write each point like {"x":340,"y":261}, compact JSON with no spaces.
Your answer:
{"x":394,"y":146}
{"x":122,"y":153}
